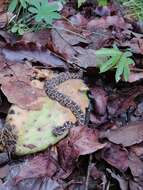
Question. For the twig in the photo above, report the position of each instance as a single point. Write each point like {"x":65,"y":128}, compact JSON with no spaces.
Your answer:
{"x":71,"y":182}
{"x":70,"y":31}
{"x":88,"y":172}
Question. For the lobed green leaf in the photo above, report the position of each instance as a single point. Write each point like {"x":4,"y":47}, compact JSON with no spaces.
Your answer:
{"x":12,"y":6}
{"x":116,"y":59}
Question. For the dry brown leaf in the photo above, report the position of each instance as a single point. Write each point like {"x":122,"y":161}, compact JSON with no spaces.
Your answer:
{"x":100,"y":100}
{"x":127,"y":135}
{"x":116,"y":156}
{"x":87,"y":58}
{"x":136,"y":167}
{"x":4,"y":19}
{"x":16,"y":84}
{"x":44,"y":57}
{"x":105,"y":22}
{"x":136,"y":45}
{"x":40,"y":39}
{"x":138,"y":149}
{"x":85,"y":140}
{"x":135,"y":76}
{"x":81,"y":141}
{"x":3,"y":5}
{"x":21,"y":93}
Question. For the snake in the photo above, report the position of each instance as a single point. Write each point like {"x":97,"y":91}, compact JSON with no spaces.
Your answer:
{"x":50,"y":87}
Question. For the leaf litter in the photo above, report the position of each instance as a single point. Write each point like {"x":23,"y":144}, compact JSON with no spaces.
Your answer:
{"x":107,"y":152}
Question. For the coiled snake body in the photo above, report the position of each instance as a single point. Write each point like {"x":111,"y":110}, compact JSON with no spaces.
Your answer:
{"x":64,"y":100}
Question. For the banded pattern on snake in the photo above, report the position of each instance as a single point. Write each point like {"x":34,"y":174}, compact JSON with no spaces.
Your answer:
{"x":64,"y":100}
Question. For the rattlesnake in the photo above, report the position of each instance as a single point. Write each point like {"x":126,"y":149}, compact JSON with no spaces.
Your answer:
{"x":64,"y":100}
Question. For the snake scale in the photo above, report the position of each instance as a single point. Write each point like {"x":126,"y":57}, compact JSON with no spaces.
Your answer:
{"x":64,"y":100}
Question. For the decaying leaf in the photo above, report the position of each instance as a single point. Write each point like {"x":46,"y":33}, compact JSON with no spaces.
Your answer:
{"x":106,"y":22}
{"x":116,"y":156}
{"x":81,"y":141}
{"x":44,"y":57}
{"x":17,"y":86}
{"x":100,"y":100}
{"x":126,"y":136}
{"x":87,"y":58}
{"x":106,"y":152}
{"x":33,"y":128}
{"x":136,"y":166}
{"x":33,"y":173}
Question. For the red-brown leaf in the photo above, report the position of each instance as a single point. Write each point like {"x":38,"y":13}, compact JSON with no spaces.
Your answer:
{"x":117,"y":156}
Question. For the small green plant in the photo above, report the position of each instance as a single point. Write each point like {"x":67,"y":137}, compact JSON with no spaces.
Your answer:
{"x":116,"y":59}
{"x":102,"y":2}
{"x":31,"y":15}
{"x":80,"y":2}
{"x":19,"y":28}
{"x":133,"y":8}
{"x":44,"y":11}
{"x":15,"y":3}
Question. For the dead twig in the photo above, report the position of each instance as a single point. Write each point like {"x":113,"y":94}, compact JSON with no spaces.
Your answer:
{"x":88,"y":172}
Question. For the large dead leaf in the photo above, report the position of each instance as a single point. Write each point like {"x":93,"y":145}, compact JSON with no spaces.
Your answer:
{"x":40,"y":39}
{"x":87,"y":58}
{"x":85,"y":140}
{"x":68,"y":33}
{"x":34,"y":173}
{"x":4,"y":19}
{"x":33,"y":128}
{"x":81,"y":141}
{"x":44,"y":57}
{"x":21,"y":93}
{"x":44,"y":183}
{"x":135,"y":76}
{"x":3,"y":5}
{"x":106,"y":22}
{"x":127,"y":135}
{"x":135,"y":165}
{"x":100,"y":100}
{"x":61,"y":46}
{"x":135,"y":44}
{"x":138,"y":149}
{"x":117,"y":156}
{"x":47,"y":167}
{"x":17,"y":86}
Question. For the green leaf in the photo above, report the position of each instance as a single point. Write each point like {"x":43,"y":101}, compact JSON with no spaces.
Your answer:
{"x":14,"y":29}
{"x":12,"y":6}
{"x":126,"y":72}
{"x":120,"y":68}
{"x":128,"y":54}
{"x":107,"y":65}
{"x":51,"y":17}
{"x":52,"y":7}
{"x":62,"y":1}
{"x":130,"y":61}
{"x":34,"y":3}
{"x":46,"y":12}
{"x":80,"y":2}
{"x":108,"y":52}
{"x":102,"y":2}
{"x":23,"y":3}
{"x":33,"y":10}
{"x":21,"y":31}
{"x":115,"y":60}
